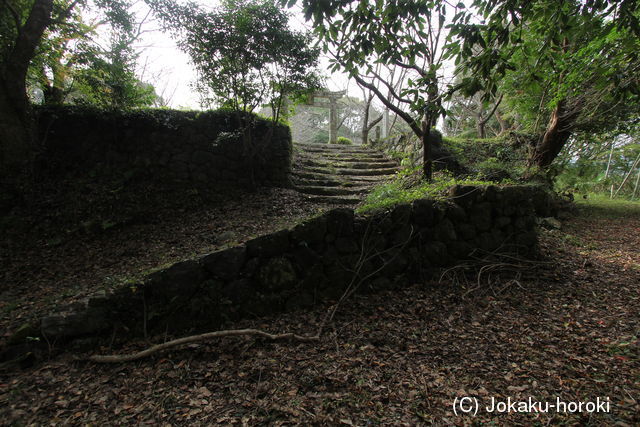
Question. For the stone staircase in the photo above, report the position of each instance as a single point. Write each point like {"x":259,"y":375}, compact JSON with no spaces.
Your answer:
{"x":341,"y":174}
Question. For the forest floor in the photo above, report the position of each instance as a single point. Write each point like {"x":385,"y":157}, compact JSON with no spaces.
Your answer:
{"x":69,"y":242}
{"x":565,"y":328}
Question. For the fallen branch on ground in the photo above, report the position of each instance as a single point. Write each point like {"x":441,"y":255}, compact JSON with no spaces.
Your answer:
{"x":348,"y":292}
{"x":202,"y":337}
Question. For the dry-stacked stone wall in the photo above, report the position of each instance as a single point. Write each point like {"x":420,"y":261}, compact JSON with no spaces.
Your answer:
{"x":213,"y":148}
{"x":314,"y":261}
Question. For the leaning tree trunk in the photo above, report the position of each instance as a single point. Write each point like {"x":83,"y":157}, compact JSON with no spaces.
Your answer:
{"x":557,"y":134}
{"x":17,"y":146}
{"x":16,"y":137}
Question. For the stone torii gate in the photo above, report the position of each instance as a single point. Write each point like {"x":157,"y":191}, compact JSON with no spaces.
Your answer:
{"x":332,"y":105}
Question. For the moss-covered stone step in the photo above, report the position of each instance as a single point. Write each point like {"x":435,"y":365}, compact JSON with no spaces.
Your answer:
{"x":330,"y":191}
{"x":339,"y":174}
{"x":341,"y":180}
{"x":359,"y":172}
{"x":345,"y":157}
{"x":342,"y":200}
{"x":334,"y":149}
{"x":349,"y":165}
{"x":327,"y":182}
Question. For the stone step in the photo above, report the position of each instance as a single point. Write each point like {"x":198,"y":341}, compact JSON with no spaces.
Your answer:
{"x":306,"y":174}
{"x":320,"y":190}
{"x":349,"y":165}
{"x":340,"y":174}
{"x":342,"y":200}
{"x":358,"y":172}
{"x":373,"y":158}
{"x":334,"y":146}
{"x":332,"y":149}
{"x":325,"y":182}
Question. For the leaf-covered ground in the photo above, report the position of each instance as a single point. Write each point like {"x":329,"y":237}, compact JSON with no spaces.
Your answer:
{"x":71,"y":241}
{"x":564,"y":328}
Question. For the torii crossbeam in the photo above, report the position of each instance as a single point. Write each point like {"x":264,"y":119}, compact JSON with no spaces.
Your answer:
{"x":332,"y":105}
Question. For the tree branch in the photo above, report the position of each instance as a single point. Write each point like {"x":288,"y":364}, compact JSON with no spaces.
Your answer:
{"x":114,"y":358}
{"x":392,"y":92}
{"x":493,"y":110}
{"x":14,"y":14}
{"x":413,"y":124}
{"x":373,"y":123}
{"x":410,"y":67}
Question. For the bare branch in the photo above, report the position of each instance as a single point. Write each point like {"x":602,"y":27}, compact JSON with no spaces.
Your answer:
{"x":375,"y":122}
{"x":114,"y":358}
{"x":415,"y":126}
{"x":414,"y":67}
{"x":392,"y":92}
{"x":493,"y":110}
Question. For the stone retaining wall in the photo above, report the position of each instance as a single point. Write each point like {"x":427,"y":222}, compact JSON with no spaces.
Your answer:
{"x":314,"y":261}
{"x":202,"y":148}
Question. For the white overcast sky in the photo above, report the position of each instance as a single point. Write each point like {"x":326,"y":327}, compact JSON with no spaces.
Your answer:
{"x":164,"y":65}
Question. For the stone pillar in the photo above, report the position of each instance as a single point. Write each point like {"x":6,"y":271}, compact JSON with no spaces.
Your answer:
{"x":333,"y":121}
{"x":332,"y":105}
{"x":385,"y":123}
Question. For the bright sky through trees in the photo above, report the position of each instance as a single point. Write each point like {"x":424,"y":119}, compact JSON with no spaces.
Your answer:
{"x":165,"y":66}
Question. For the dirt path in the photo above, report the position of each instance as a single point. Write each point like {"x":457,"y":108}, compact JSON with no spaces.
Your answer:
{"x":566,"y":329}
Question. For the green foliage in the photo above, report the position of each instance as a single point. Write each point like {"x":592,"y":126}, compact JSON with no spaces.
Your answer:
{"x":600,"y":164}
{"x":341,"y":140}
{"x":320,"y":137}
{"x":576,"y":58}
{"x":9,"y":26}
{"x":408,"y":186}
{"x":493,"y":159}
{"x":74,"y":65}
{"x":361,"y":35}
{"x":218,"y":121}
{"x":245,"y":53}
{"x":599,"y":205}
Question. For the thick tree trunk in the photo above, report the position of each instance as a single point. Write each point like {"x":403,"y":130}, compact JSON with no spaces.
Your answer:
{"x":17,"y":146}
{"x":16,"y":138}
{"x":557,"y":134}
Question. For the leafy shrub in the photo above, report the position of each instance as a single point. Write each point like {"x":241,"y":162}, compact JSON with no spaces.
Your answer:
{"x":320,"y":137}
{"x":343,"y":141}
{"x":494,"y":159}
{"x":493,"y":169}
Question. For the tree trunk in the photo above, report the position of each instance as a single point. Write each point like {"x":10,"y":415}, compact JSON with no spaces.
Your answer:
{"x":635,"y":188}
{"x":624,"y":181}
{"x":557,"y":134}
{"x":502,"y":122}
{"x":427,"y":161}
{"x":481,"y":127}
{"x":365,"y":122}
{"x":16,"y":139}
{"x":17,"y":146}
{"x":53,"y":95}
{"x":606,"y":173}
